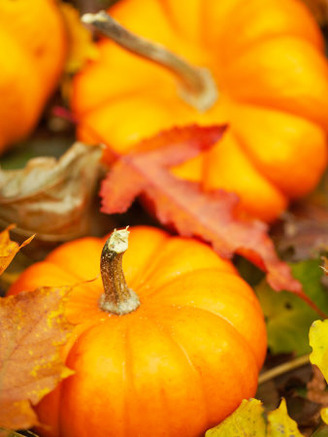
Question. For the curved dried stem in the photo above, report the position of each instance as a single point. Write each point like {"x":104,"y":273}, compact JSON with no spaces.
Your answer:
{"x":198,"y":87}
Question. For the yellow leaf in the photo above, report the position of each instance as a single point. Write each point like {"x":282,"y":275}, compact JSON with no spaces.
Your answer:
{"x":324,"y":414}
{"x":280,"y":424}
{"x":319,"y":342}
{"x":9,"y":248}
{"x":249,"y":421}
{"x":246,"y":421}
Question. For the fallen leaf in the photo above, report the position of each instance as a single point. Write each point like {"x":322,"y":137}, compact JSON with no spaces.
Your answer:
{"x":9,"y":248}
{"x":280,"y":424}
{"x":33,"y":329}
{"x":249,"y":421}
{"x":316,"y":388}
{"x":303,"y":231}
{"x":50,"y":196}
{"x":318,"y":336}
{"x":324,"y":415}
{"x":185,"y":206}
{"x":288,"y":318}
{"x":325,"y":265}
{"x":321,"y":432}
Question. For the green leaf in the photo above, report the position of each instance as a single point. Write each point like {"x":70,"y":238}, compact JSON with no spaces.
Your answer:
{"x":280,"y":424}
{"x":247,"y":421}
{"x":288,"y":317}
{"x":322,"y":432}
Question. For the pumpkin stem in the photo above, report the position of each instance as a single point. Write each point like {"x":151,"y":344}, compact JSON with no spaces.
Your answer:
{"x":117,"y":298}
{"x":198,"y":86}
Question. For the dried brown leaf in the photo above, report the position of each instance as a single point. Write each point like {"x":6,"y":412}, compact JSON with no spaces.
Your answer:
{"x":49,"y":196}
{"x":316,"y":388}
{"x":303,"y":233}
{"x":33,"y":329}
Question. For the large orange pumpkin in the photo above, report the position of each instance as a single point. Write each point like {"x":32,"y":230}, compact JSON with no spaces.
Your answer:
{"x":267,"y":60}
{"x":174,"y":366}
{"x":33,"y":51}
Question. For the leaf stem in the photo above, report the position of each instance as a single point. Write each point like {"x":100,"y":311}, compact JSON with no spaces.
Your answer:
{"x":117,"y":298}
{"x":198,"y":86}
{"x":283,"y":368}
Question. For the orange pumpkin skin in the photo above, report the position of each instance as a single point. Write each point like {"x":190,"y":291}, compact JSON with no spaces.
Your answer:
{"x":267,"y":60}
{"x":33,"y":45}
{"x":177,"y":365}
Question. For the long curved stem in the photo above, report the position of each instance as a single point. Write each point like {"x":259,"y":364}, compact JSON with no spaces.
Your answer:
{"x":198,"y":86}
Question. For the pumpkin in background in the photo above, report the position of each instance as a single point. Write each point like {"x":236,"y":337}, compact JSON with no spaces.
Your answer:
{"x":267,"y":60}
{"x":173,"y":366}
{"x":33,"y":49}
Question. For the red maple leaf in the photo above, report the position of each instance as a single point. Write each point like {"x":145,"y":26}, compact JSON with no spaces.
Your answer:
{"x":184,"y":206}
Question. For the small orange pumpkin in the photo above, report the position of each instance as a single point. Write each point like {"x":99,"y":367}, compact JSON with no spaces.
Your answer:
{"x":33,"y":45}
{"x":173,"y":366}
{"x":266,"y":58}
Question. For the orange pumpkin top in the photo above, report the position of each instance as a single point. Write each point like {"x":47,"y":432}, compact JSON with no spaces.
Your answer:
{"x":33,"y":49}
{"x":178,"y":364}
{"x":272,"y":78}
